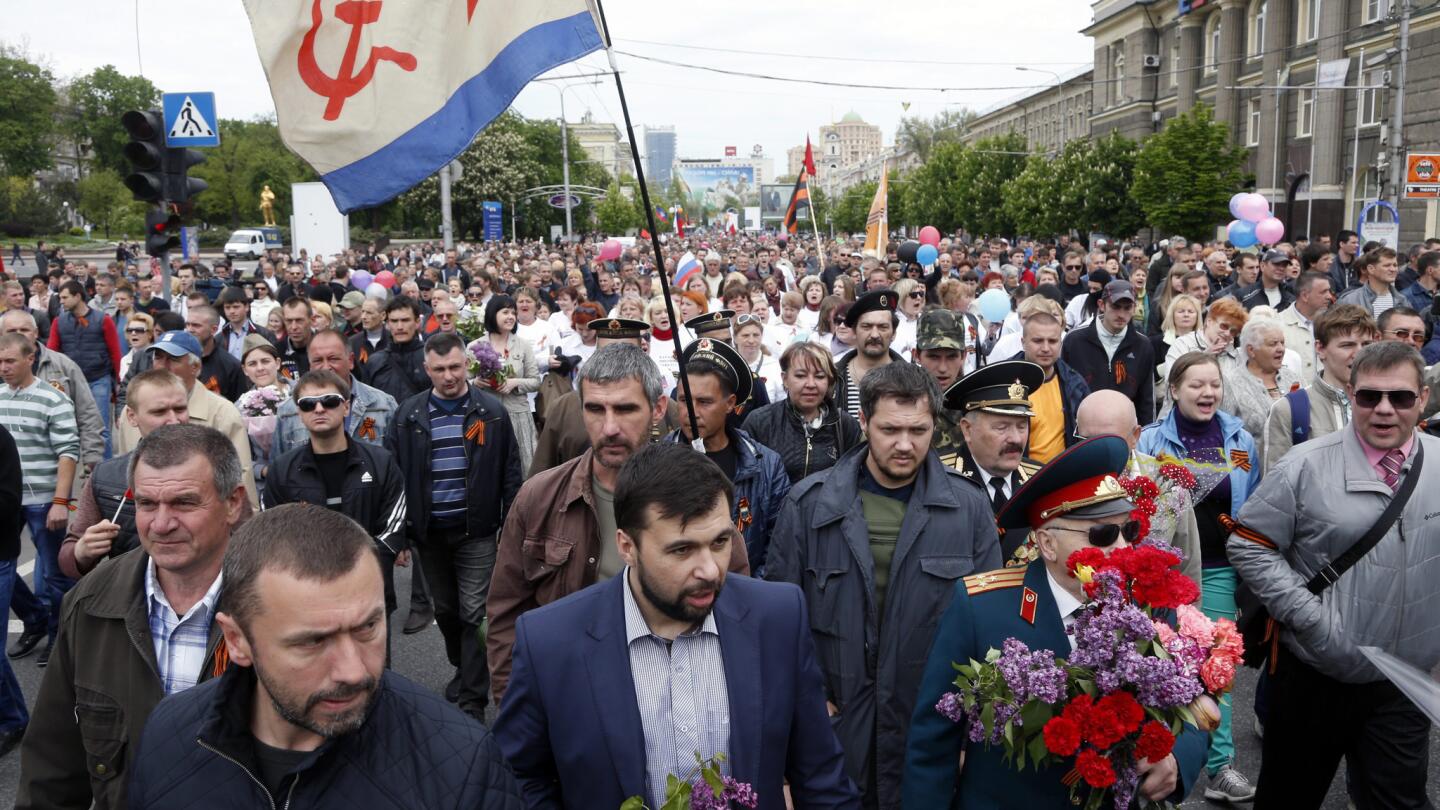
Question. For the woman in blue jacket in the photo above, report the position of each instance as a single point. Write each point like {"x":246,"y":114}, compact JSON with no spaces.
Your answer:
{"x":1198,"y":430}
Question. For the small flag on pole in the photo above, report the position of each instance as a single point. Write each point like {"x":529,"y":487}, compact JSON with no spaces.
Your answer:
{"x":799,"y":200}
{"x":877,"y":225}
{"x":809,"y":158}
{"x":685,"y":268}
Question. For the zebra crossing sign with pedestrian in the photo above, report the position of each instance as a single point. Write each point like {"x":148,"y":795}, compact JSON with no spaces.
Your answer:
{"x":190,"y":120}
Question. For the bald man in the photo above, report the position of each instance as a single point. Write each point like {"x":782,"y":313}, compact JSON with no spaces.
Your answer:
{"x":1111,"y":412}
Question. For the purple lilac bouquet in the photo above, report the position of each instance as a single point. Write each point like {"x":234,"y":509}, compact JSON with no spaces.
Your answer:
{"x":705,"y":788}
{"x":486,"y":365}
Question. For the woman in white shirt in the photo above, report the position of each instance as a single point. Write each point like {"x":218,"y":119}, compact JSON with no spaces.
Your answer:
{"x":750,"y":344}
{"x":812,"y":289}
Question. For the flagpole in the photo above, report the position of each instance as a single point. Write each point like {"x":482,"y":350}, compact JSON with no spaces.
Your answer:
{"x":819,"y":249}
{"x":696,"y":441}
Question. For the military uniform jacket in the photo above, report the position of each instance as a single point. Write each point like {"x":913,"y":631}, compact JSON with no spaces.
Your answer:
{"x":965,"y":464}
{"x":985,"y":610}
{"x":872,"y":664}
{"x":948,"y":439}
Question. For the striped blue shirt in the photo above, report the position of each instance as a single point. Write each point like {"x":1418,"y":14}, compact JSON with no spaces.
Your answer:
{"x":447,"y":461}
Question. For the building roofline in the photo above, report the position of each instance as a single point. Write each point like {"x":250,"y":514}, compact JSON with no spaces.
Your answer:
{"x":1065,"y":79}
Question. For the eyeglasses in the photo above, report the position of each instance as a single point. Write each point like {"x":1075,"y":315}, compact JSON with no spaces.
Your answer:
{"x":1074,"y":267}
{"x":747,"y":318}
{"x":329,"y":401}
{"x":1402,"y":400}
{"x":1415,"y":336}
{"x":1104,"y":535}
{"x":918,"y":295}
{"x":136,"y":330}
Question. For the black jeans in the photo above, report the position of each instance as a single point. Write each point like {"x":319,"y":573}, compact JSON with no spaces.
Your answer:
{"x":1314,"y":720}
{"x":457,"y":570}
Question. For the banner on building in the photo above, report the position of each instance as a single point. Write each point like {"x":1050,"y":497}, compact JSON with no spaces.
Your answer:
{"x":710,"y":190}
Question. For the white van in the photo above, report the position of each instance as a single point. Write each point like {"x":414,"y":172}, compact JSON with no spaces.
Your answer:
{"x":251,"y":243}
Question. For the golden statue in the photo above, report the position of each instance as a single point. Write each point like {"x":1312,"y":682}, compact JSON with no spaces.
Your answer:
{"x":267,"y":205}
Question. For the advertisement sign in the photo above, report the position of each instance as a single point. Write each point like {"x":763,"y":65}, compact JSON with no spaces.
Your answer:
{"x":773,"y":200}
{"x":1422,"y":175}
{"x":1386,"y":233}
{"x":712,"y":189}
{"x":490,"y":220}
{"x":730,"y":151}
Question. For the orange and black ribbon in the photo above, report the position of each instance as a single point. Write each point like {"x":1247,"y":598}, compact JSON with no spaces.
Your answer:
{"x":367,"y":429}
{"x":476,"y":433}
{"x":1241,"y":459}
{"x":745,"y":518}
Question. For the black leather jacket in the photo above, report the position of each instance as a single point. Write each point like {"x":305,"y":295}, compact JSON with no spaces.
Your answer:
{"x":804,"y":449}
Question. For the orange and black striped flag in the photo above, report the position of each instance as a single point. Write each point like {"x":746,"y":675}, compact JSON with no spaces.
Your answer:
{"x":799,"y":200}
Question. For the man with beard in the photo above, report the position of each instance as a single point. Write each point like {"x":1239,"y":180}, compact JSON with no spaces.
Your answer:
{"x":559,"y":536}
{"x":307,"y":710}
{"x":664,"y":686}
{"x":138,"y":628}
{"x":878,"y":542}
{"x":874,"y":320}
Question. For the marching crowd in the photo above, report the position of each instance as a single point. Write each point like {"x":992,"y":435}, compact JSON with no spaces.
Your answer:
{"x":881,"y":439}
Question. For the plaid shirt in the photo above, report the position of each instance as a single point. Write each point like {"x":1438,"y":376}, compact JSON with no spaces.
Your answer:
{"x":180,"y":643}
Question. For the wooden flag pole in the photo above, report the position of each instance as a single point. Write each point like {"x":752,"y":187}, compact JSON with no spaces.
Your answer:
{"x":696,"y":441}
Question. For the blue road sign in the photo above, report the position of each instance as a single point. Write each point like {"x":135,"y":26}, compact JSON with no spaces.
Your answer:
{"x":190,"y":120}
{"x":490,"y":219}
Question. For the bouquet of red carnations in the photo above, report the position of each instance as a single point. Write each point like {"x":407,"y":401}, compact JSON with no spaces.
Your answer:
{"x":1125,"y":691}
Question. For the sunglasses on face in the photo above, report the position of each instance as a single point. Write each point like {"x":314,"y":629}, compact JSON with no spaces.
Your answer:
{"x":1104,"y":535}
{"x":1406,"y":334}
{"x":1074,"y":267}
{"x":918,"y":295}
{"x":138,"y":330}
{"x":1370,"y":398}
{"x":329,"y":401}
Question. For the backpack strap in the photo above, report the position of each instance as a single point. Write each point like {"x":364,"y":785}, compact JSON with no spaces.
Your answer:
{"x":1299,"y":400}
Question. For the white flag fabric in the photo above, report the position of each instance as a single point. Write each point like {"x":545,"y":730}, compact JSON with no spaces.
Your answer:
{"x":377,"y":95}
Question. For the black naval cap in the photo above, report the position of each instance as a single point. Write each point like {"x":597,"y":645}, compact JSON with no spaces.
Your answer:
{"x":726,"y":358}
{"x":1083,"y":482}
{"x":874,"y":301}
{"x":619,"y":328}
{"x":1002,"y":388}
{"x":716,"y":321}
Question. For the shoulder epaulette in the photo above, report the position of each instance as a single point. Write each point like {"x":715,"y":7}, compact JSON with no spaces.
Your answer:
{"x":1028,"y":467}
{"x":994,"y":580}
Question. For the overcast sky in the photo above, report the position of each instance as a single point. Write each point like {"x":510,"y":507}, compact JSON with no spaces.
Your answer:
{"x":963,"y":44}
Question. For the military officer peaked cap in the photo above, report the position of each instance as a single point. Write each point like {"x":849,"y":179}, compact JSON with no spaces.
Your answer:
{"x":874,"y":301}
{"x":729,"y":361}
{"x":716,"y":321}
{"x":1083,"y":482}
{"x":621,"y":328}
{"x":1003,"y":388}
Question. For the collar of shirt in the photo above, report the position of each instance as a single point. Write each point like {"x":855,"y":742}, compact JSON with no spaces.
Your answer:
{"x":1374,"y":455}
{"x":986,"y":475}
{"x":636,"y":626}
{"x":1065,"y":602}
{"x":155,"y":596}
{"x":1337,"y":397}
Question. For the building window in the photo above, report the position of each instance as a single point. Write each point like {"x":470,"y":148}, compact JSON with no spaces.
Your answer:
{"x":1252,"y":122}
{"x":1307,"y":17}
{"x":1212,"y":44}
{"x":1372,"y":101}
{"x":1257,"y":28}
{"x":1305,"y":116}
{"x":1174,"y":61}
{"x":1367,"y":190}
{"x":1117,"y":72}
{"x":1376,"y":10}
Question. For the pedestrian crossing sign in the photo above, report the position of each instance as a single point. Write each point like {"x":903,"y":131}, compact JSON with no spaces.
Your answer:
{"x":190,"y":120}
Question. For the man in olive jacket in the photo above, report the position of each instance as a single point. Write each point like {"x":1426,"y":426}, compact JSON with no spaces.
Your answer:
{"x":877,"y":543}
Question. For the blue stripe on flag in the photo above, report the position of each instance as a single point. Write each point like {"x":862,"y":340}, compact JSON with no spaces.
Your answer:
{"x":439,"y":139}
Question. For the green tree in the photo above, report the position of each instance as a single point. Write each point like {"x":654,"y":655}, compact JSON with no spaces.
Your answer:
{"x":852,"y":209}
{"x":105,"y":201}
{"x":27,"y":112}
{"x":97,"y":101}
{"x":981,"y":178}
{"x":26,"y":209}
{"x":1186,"y":173}
{"x":929,"y":195}
{"x":251,"y":156}
{"x":922,"y":135}
{"x":1106,"y":204}
{"x":1031,"y":200}
{"x":617,"y":213}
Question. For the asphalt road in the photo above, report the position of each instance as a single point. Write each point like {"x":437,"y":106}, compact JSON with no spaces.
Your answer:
{"x":421,"y":657}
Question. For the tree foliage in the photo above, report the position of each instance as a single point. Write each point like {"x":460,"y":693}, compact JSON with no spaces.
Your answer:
{"x":921,"y":135}
{"x":27,"y":112}
{"x":1186,"y":173}
{"x":106,"y":202}
{"x":619,"y":211}
{"x":26,"y":209}
{"x":250,"y":156}
{"x":1085,"y":188}
{"x":97,"y":101}
{"x":852,"y":208}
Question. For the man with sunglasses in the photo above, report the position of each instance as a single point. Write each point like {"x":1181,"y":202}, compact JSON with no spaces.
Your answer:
{"x":1072,"y":276}
{"x":355,"y":478}
{"x":1075,"y":501}
{"x":1312,"y":508}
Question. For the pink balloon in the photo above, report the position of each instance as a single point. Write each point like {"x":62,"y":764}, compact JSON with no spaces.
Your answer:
{"x":385,"y":279}
{"x":1269,"y":230}
{"x":930,"y":235}
{"x":610,"y":251}
{"x":1254,"y":208}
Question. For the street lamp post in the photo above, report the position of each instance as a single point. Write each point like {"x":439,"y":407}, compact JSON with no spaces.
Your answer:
{"x":1059,"y":98}
{"x":565,"y":153}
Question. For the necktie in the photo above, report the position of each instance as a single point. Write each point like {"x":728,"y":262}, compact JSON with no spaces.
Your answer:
{"x":998,"y":500}
{"x":1391,"y":464}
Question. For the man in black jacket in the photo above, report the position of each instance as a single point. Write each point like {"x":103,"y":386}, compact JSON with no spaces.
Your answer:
{"x":307,"y":710}
{"x":399,"y":369}
{"x":457,"y":450}
{"x":356,"y":479}
{"x":1110,"y":354}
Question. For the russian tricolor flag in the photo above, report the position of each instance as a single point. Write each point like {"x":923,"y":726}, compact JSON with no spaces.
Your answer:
{"x":377,"y":95}
{"x":684,"y":269}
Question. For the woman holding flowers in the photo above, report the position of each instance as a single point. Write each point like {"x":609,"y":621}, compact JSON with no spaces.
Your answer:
{"x":261,"y":363}
{"x":517,"y":374}
{"x":1197,"y":430}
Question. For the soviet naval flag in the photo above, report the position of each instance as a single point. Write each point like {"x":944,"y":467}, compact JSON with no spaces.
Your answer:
{"x":377,"y":95}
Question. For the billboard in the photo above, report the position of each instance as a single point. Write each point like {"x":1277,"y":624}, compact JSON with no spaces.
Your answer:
{"x":712,"y":189}
{"x":774,"y":199}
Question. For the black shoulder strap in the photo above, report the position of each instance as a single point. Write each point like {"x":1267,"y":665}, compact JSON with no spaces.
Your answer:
{"x":1337,"y":568}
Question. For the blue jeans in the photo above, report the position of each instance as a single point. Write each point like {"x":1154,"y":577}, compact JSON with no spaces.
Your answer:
{"x":50,"y":583}
{"x":12,"y":702}
{"x":102,"y":389}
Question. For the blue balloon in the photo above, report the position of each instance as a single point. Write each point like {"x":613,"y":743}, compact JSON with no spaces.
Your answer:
{"x":994,"y":305}
{"x":1242,"y":233}
{"x":926,"y":255}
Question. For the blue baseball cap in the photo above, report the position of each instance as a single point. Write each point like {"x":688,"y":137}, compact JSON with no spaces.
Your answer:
{"x":178,"y":343}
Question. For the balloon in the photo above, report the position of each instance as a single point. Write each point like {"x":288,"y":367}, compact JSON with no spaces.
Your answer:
{"x":906,"y":251}
{"x":1241,"y":233}
{"x":1269,"y":230}
{"x":1235,"y":204}
{"x":361,"y":279}
{"x":926,"y":255}
{"x":1254,"y":208}
{"x":994,"y":305}
{"x":385,"y":279}
{"x":610,"y":251}
{"x":929,"y":235}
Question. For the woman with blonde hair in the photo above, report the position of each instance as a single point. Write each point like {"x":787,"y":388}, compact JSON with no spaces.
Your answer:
{"x":1224,"y":319}
{"x":844,"y":287}
{"x":806,"y":428}
{"x":1182,"y":318}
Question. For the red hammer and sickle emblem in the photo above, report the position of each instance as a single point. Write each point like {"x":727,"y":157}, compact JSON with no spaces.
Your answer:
{"x":346,"y":82}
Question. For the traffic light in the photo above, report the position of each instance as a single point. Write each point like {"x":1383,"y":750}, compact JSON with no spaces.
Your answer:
{"x":146,"y":154}
{"x":180,"y":187}
{"x":162,"y":231}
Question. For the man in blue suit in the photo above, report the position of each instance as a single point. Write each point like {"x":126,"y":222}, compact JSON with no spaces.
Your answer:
{"x":1073,"y":501}
{"x":617,"y":686}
